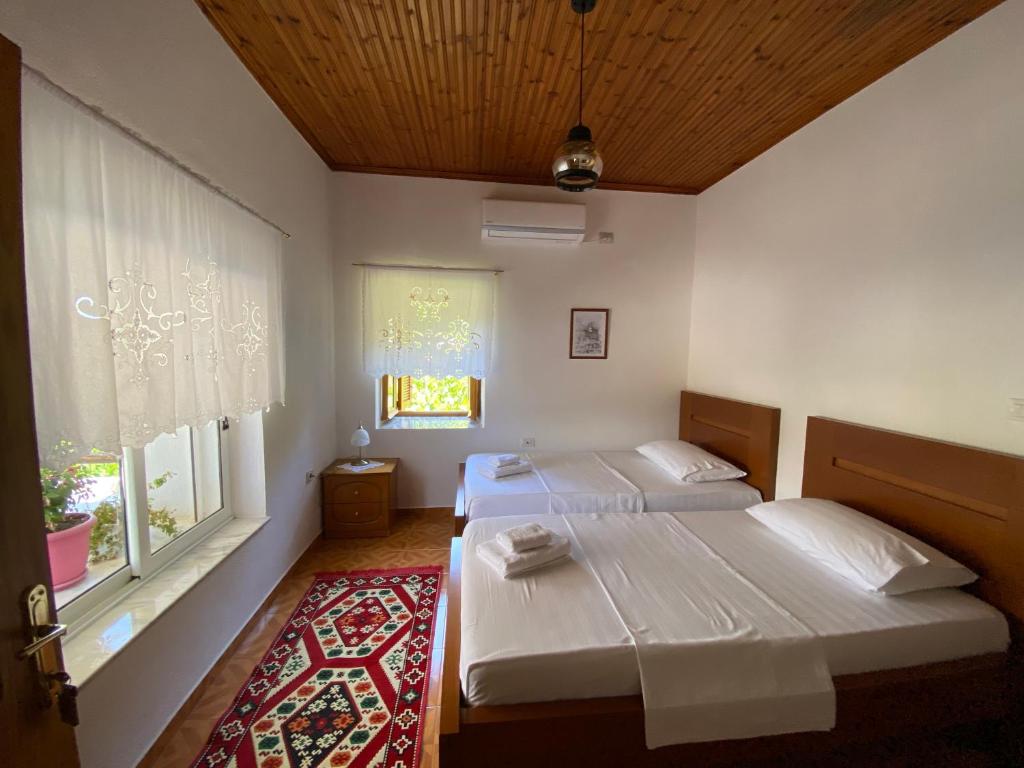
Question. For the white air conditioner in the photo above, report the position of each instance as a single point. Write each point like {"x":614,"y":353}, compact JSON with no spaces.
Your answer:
{"x":518,"y":220}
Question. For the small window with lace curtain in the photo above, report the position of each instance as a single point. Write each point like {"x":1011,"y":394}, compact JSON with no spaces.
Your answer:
{"x":427,"y":339}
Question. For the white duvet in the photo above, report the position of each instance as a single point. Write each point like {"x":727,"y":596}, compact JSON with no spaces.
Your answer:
{"x":574,"y":482}
{"x":644,"y":592}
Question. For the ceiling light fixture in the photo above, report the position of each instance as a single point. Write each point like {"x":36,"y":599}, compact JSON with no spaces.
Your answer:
{"x":578,"y":164}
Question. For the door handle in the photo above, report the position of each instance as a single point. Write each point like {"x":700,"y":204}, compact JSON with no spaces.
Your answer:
{"x":45,"y":634}
{"x":41,"y":634}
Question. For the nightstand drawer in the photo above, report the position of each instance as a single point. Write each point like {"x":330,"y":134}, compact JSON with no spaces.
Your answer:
{"x":352,"y":492}
{"x":358,"y":505}
{"x":348,"y":514}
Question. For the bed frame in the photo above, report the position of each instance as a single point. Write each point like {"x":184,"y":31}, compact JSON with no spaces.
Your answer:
{"x":744,"y":434}
{"x":967,"y":501}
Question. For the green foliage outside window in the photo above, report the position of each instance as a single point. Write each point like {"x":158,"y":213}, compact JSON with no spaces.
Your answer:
{"x":106,"y":540}
{"x":99,"y":469}
{"x":429,"y":394}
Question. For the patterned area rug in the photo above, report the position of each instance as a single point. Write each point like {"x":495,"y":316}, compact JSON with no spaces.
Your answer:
{"x":344,"y":684}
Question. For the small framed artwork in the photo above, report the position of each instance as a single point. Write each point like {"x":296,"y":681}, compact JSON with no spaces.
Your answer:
{"x":588,"y":334}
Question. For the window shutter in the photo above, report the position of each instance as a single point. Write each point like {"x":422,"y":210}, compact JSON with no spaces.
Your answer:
{"x":388,"y":403}
{"x":474,"y":398}
{"x":404,"y":393}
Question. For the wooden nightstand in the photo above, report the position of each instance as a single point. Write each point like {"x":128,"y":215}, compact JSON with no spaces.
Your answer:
{"x":357,"y":504}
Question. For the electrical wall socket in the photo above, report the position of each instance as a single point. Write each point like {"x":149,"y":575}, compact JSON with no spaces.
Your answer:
{"x":528,"y":442}
{"x":310,"y":477}
{"x":1016,"y":409}
{"x":606,"y":237}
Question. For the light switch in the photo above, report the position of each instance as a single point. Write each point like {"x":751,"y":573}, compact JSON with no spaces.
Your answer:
{"x":1017,"y":408}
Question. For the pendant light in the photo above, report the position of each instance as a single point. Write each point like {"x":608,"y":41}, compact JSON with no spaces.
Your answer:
{"x":578,"y":165}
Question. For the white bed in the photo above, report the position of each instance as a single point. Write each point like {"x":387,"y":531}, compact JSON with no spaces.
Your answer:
{"x":555,"y":635}
{"x":605,"y":481}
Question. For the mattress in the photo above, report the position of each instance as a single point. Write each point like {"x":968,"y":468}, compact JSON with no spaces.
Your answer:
{"x":526,"y":494}
{"x":554,"y":635}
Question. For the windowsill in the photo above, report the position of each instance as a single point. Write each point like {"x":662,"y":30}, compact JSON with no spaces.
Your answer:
{"x":431,"y":422}
{"x":96,"y":573}
{"x":97,"y":642}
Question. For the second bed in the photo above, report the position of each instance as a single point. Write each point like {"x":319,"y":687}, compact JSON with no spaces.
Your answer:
{"x":744,"y":434}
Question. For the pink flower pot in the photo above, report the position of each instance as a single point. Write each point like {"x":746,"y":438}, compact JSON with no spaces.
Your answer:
{"x":69,"y":553}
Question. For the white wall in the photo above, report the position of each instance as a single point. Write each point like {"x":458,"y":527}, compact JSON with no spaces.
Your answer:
{"x":534,"y":389}
{"x":871,"y":266}
{"x":161,"y":68}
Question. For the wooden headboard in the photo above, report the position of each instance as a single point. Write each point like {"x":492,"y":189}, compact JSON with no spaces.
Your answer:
{"x":743,"y":434}
{"x":967,"y":502}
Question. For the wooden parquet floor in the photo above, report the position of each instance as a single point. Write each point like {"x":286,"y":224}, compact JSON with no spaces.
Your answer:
{"x":417,"y":538}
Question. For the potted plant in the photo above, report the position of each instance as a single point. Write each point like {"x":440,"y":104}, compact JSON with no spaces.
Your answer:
{"x":67,"y":531}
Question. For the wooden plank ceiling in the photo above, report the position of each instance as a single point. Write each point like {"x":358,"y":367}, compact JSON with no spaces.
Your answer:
{"x":679,"y":93}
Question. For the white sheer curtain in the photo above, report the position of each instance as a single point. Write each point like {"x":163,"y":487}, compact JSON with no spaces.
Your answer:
{"x":419,"y":322}
{"x":154,"y":302}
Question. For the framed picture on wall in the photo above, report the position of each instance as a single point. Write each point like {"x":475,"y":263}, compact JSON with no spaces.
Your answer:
{"x":588,"y":334}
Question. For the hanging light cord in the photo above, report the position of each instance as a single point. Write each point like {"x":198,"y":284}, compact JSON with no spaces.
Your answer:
{"x":583,"y":32}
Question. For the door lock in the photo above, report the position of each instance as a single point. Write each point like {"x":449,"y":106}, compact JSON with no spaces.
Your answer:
{"x":42,"y":634}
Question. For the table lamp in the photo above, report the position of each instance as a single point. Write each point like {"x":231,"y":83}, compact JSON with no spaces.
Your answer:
{"x":360,"y":438}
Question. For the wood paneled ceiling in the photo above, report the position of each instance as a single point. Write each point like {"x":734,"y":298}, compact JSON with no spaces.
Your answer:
{"x":679,"y":93}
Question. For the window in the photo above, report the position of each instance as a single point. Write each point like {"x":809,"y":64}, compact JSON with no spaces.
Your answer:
{"x":425,"y":396}
{"x":137,"y":511}
{"x":167,"y":314}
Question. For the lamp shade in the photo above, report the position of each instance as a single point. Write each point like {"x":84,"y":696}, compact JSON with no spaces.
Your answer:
{"x":360,"y":437}
{"x":578,"y":164}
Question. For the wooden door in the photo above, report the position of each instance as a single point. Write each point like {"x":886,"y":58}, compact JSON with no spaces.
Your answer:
{"x":31,"y":735}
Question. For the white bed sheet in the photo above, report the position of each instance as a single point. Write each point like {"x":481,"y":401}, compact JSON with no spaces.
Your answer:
{"x":554,"y":635}
{"x":664,"y":493}
{"x":718,"y":658}
{"x":527,"y":494}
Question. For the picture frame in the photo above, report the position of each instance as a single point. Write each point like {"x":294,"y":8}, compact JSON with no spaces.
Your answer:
{"x":588,"y":333}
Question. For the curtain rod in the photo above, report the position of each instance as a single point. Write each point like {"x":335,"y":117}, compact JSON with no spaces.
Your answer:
{"x":419,"y":266}
{"x":135,"y":136}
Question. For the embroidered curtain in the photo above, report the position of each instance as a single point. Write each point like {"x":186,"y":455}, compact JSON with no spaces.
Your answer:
{"x":420,"y":322}
{"x":154,"y":302}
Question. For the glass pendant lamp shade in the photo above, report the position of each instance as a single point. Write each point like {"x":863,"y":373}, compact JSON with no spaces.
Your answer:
{"x":577,"y":164}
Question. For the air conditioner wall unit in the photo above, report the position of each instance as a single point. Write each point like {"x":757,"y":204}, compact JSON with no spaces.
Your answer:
{"x":519,"y":220}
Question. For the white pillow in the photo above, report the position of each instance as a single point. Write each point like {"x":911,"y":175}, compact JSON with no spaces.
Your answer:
{"x":688,"y":463}
{"x":871,"y":554}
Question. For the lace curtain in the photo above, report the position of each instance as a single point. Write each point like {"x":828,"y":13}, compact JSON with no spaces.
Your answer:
{"x":154,"y":302}
{"x":420,"y":322}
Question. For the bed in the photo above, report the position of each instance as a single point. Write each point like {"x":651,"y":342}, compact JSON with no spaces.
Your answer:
{"x":566,"y":691}
{"x":745,"y":434}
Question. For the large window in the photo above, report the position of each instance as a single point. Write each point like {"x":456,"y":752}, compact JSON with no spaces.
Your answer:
{"x":115,"y":518}
{"x":154,"y":303}
{"x":450,"y":397}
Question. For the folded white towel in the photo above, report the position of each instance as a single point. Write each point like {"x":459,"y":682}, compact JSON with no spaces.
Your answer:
{"x":511,"y":469}
{"x":523,"y":537}
{"x":504,"y":459}
{"x":509,"y":564}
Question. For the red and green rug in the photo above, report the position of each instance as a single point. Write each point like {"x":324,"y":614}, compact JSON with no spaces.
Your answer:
{"x":345,"y":683}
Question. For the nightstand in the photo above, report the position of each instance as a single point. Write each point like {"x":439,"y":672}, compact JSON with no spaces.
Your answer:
{"x":357,"y":504}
